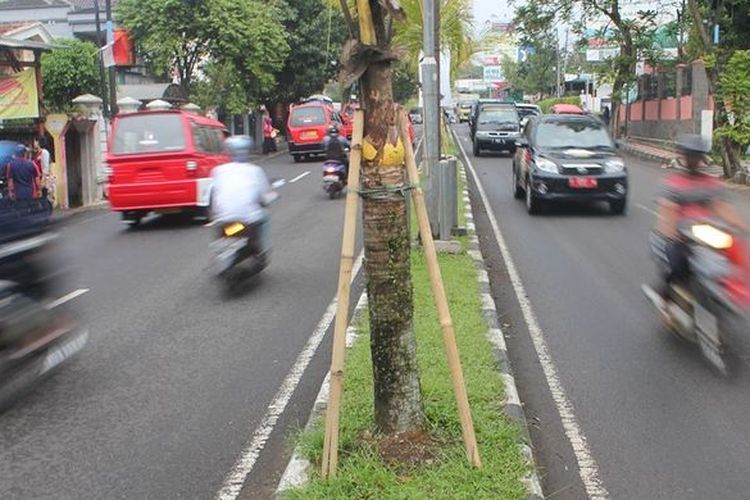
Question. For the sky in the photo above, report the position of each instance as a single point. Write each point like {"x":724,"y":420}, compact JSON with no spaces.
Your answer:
{"x":484,"y":10}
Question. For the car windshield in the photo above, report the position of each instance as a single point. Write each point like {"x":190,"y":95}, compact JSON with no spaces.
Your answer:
{"x":148,"y":133}
{"x":497,"y":114}
{"x":308,"y":116}
{"x":581,"y":134}
{"x":524,"y":112}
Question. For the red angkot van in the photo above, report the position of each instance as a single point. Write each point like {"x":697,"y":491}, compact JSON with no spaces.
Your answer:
{"x":161,"y":161}
{"x":308,"y":126}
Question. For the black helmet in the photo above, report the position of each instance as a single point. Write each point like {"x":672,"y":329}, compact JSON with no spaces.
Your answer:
{"x":333,"y":130}
{"x":692,"y":144}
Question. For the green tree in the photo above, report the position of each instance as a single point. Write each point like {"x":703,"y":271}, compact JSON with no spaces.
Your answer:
{"x":68,"y":72}
{"x":734,"y":92}
{"x":245,"y":38}
{"x":315,"y":36}
{"x":405,"y":83}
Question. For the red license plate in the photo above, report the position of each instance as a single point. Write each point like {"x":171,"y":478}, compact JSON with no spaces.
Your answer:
{"x":583,"y":182}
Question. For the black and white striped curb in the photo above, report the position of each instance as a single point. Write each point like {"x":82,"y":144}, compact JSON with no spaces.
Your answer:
{"x":297,"y":472}
{"x":513,"y":406}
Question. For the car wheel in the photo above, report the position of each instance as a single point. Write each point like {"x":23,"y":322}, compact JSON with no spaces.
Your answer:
{"x":618,"y":207}
{"x":517,"y":191}
{"x":533,"y":203}
{"x":477,"y":149}
{"x":297,"y":158}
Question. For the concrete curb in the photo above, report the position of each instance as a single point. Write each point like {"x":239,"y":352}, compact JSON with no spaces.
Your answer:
{"x":512,"y":406}
{"x":297,"y":471}
{"x":629,"y":149}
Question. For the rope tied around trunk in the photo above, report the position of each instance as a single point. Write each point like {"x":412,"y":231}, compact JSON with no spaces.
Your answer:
{"x":384,"y":191}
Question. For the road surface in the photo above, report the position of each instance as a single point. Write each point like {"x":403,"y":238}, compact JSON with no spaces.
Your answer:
{"x":658,"y":422}
{"x":176,"y":379}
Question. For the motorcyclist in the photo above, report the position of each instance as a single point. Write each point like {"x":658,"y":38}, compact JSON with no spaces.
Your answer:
{"x":335,"y":147}
{"x":682,"y":192}
{"x":241,"y":191}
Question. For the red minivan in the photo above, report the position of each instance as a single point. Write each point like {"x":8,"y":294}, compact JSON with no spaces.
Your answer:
{"x":161,"y":161}
{"x":308,"y":126}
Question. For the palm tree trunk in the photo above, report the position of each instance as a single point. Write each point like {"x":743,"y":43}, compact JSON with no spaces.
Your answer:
{"x":398,"y":402}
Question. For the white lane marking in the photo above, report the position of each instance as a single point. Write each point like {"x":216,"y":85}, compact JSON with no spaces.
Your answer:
{"x":300,"y":176}
{"x":588,"y":469}
{"x":235,"y":480}
{"x":649,"y":210}
{"x":67,"y":298}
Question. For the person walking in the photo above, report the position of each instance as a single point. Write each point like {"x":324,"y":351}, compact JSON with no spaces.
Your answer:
{"x":23,"y":176}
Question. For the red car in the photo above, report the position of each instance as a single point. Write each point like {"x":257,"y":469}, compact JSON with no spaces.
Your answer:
{"x":162,"y":161}
{"x":307,"y":126}
{"x":347,"y":117}
{"x":566,"y":109}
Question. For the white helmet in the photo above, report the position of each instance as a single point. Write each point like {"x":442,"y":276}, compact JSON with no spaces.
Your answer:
{"x":239,"y":147}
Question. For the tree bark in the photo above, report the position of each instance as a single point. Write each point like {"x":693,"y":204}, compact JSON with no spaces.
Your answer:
{"x":398,"y":402}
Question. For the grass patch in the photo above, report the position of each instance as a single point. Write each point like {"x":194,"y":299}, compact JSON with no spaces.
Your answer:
{"x":363,"y":474}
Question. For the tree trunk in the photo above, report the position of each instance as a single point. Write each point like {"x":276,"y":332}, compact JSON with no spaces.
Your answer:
{"x":398,"y":402}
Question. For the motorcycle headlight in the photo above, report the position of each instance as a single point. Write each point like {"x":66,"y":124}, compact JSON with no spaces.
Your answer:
{"x":614,"y":165}
{"x":712,"y":236}
{"x":546,"y":165}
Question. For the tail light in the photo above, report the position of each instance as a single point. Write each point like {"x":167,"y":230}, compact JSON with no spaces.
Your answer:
{"x":234,"y":229}
{"x":191,"y":166}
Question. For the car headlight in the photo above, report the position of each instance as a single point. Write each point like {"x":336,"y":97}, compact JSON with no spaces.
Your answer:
{"x":481,"y":133}
{"x":614,"y":165}
{"x":546,"y":165}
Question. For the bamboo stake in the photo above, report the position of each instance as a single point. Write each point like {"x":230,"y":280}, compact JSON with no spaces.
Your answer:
{"x":366,"y":28}
{"x":441,"y":302}
{"x":330,"y":445}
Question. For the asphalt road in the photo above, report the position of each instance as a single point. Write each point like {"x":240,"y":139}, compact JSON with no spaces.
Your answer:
{"x":175,"y":378}
{"x":659,"y":423}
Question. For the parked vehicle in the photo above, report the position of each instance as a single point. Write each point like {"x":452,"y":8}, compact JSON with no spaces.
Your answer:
{"x":526,"y":111}
{"x":161,"y":161}
{"x":334,"y":178}
{"x":498,"y":127}
{"x":415,"y":114}
{"x":568,"y":158}
{"x":710,"y":305}
{"x":566,"y":109}
{"x":307,"y":126}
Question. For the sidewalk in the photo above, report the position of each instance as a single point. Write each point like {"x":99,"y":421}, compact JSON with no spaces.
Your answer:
{"x":664,"y":156}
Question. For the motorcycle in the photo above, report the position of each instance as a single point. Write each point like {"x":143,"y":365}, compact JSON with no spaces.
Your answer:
{"x":334,"y":178}
{"x":238,"y":255}
{"x":35,"y":339}
{"x":702,"y":308}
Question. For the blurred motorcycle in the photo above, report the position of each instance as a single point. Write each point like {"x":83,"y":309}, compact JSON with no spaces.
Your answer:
{"x":703,"y":308}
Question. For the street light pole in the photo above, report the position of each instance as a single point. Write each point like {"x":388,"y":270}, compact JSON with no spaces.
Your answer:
{"x":102,"y":78}
{"x":110,"y":40}
{"x":430,"y":91}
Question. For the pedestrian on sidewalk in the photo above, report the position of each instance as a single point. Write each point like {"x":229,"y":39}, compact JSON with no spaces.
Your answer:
{"x":22,"y":175}
{"x":269,"y":135}
{"x":605,"y":115}
{"x":41,"y":158}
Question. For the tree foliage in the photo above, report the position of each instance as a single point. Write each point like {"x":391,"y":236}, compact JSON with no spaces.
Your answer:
{"x":315,"y":37}
{"x":245,"y":38}
{"x":734,"y":92}
{"x":455,"y":32}
{"x":68,"y":72}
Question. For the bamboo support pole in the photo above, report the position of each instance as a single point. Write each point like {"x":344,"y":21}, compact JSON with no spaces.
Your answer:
{"x":441,"y":302}
{"x":330,"y":445}
{"x":366,"y":27}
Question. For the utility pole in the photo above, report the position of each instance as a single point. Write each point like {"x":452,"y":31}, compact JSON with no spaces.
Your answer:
{"x":430,"y":89}
{"x":110,"y":40}
{"x":557,"y":66}
{"x":102,"y":78}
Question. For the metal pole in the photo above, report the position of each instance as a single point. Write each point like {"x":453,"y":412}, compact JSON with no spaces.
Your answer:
{"x":102,"y":78}
{"x":557,"y":55}
{"x":110,"y":39}
{"x":429,"y":86}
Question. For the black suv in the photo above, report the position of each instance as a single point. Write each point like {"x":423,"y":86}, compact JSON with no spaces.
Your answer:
{"x":497,"y":126}
{"x":568,"y":158}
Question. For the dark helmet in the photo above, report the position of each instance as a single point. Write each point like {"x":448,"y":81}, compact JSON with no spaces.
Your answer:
{"x":333,"y":130}
{"x":692,"y":145}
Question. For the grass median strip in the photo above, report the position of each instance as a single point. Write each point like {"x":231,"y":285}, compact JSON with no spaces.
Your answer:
{"x":442,"y":471}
